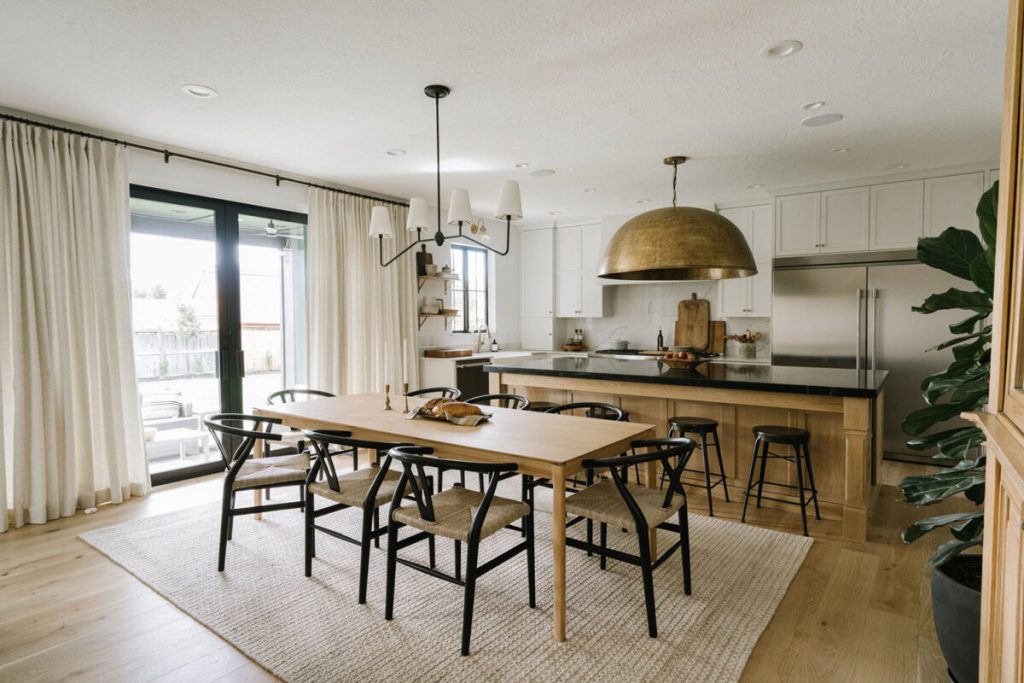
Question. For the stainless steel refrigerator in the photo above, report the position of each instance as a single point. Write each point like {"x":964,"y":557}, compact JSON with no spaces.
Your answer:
{"x":858,"y":315}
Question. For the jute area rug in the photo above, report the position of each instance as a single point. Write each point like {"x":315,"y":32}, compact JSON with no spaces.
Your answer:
{"x":313,"y":629}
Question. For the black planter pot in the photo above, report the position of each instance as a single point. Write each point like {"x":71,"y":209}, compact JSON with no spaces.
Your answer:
{"x":957,"y":610}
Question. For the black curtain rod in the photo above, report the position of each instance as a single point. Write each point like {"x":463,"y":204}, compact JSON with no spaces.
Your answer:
{"x":167,"y":154}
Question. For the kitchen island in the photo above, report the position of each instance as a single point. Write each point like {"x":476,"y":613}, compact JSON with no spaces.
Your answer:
{"x":842,"y":409}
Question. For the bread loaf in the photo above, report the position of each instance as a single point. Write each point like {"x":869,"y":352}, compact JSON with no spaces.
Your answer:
{"x":433,"y":406}
{"x":459,"y":409}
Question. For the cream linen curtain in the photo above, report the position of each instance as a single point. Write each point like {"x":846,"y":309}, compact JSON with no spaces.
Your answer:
{"x":356,"y":307}
{"x":71,"y":431}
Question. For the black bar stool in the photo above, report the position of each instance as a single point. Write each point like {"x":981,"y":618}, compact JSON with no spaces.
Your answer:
{"x":541,"y":406}
{"x":701,"y":426}
{"x":789,"y":436}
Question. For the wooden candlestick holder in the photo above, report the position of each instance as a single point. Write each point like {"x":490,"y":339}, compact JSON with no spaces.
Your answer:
{"x":387,"y":397}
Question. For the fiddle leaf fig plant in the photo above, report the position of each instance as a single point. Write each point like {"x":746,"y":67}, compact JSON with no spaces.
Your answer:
{"x":961,"y":387}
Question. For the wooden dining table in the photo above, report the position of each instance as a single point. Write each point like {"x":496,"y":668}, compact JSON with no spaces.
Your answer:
{"x":541,"y":444}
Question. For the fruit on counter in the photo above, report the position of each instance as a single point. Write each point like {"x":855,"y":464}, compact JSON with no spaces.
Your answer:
{"x":670,"y":356}
{"x":681,"y":355}
{"x":691,"y":356}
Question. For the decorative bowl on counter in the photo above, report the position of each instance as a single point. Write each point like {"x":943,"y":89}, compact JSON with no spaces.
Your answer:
{"x":681,"y":364}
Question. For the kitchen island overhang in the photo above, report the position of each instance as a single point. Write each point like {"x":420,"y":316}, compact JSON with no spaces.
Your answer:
{"x":841,"y":408}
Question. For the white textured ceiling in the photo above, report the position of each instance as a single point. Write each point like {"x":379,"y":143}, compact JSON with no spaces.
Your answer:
{"x":598,"y":90}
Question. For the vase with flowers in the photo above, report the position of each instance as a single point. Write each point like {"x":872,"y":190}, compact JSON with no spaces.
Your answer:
{"x":747,"y":342}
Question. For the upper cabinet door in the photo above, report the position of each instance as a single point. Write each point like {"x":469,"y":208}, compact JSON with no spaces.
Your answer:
{"x":897,"y":214}
{"x":759,"y":304}
{"x":844,"y":220}
{"x":537,"y":250}
{"x":797,"y":224}
{"x":952,"y":201}
{"x":762,"y":233}
{"x":568,"y":249}
{"x":592,"y":293}
{"x":568,"y":262}
{"x":734,"y":294}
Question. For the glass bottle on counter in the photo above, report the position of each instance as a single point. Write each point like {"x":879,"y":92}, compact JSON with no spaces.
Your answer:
{"x":661,"y":341}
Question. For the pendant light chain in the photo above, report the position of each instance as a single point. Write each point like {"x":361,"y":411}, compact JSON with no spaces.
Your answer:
{"x":437,"y":141}
{"x":675,"y":172}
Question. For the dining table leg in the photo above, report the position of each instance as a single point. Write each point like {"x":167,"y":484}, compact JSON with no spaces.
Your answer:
{"x":558,"y":549}
{"x":257,"y":494}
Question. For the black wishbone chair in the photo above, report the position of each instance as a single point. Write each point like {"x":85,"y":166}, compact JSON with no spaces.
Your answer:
{"x":245,"y":472}
{"x":442,"y":392}
{"x":460,"y":514}
{"x":622,"y":504}
{"x":367,"y":489}
{"x":291,"y":437}
{"x":513,"y":401}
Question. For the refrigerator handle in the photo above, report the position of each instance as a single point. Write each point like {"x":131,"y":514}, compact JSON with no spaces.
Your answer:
{"x":873,"y":296}
{"x":861,"y":328}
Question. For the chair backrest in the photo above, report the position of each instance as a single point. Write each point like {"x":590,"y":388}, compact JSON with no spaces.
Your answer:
{"x":293,"y":395}
{"x":514,"y":401}
{"x":415,"y":458}
{"x":248,"y":427}
{"x":323,"y":439}
{"x":443,"y":392}
{"x":601,"y":411}
{"x":663,"y":450}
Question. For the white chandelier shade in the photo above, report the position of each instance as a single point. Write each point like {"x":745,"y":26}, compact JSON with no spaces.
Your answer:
{"x":509,"y":203}
{"x":380,"y":223}
{"x":419,"y":215}
{"x":459,"y":210}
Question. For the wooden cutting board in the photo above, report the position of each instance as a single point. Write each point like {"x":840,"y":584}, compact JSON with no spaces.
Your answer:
{"x":447,"y":353}
{"x":693,"y":329}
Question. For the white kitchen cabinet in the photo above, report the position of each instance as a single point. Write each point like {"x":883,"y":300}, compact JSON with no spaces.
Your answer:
{"x":577,"y":291}
{"x":538,"y":334}
{"x":755,"y":222}
{"x":897,"y":215}
{"x":797,"y":224}
{"x":844,"y":220}
{"x":536,"y":282}
{"x":748,"y":297}
{"x":952,"y":201}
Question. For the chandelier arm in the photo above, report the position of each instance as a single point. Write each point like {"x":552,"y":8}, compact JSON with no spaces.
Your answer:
{"x":508,"y":232}
{"x":394,"y":258}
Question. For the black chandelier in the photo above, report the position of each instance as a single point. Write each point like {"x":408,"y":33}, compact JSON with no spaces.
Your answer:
{"x":459,"y":211}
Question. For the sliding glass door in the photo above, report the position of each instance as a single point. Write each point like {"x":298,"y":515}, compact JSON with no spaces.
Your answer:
{"x":219,"y":318}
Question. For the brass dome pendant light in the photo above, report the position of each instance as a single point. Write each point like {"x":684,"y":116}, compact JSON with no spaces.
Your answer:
{"x":677,"y":243}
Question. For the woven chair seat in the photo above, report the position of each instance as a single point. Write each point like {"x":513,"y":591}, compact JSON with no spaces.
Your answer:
{"x":257,"y":472}
{"x":354,"y":486}
{"x":602,"y":502}
{"x":454,"y":510}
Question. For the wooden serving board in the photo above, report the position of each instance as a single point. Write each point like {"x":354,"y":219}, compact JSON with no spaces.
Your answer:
{"x":447,"y":353}
{"x":693,"y":329}
{"x":717,"y":336}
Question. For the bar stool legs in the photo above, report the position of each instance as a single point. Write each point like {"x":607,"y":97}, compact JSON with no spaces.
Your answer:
{"x":798,"y":440}
{"x":681,"y":426}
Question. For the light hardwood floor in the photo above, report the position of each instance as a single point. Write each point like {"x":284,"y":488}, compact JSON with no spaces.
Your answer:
{"x":854,"y":612}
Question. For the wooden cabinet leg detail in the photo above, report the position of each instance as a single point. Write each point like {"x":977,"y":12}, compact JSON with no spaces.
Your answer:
{"x":558,"y":550}
{"x":859,"y":452}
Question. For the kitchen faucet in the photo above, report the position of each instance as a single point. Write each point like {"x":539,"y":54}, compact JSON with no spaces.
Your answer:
{"x":480,"y":340}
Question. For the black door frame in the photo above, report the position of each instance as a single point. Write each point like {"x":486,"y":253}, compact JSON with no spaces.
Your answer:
{"x":231,"y":363}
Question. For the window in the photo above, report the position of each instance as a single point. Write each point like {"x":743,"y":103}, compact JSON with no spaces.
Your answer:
{"x":469,"y":294}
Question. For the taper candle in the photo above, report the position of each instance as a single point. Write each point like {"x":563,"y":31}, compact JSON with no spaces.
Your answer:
{"x":405,"y":361}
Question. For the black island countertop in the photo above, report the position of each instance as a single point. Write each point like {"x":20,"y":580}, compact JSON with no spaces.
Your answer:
{"x":755,"y":376}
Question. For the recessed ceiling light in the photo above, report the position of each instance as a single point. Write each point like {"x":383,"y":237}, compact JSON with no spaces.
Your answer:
{"x":203,"y":92}
{"x":821,"y":120}
{"x":783,"y":48}
{"x":395,"y":152}
{"x":542,"y":173}
{"x":181,"y":211}
{"x":899,"y":167}
{"x":840,"y":150}
{"x":522,"y":164}
{"x":756,"y":186}
{"x":643,"y":201}
{"x":554,"y":213}
{"x":590,"y":189}
{"x":810,"y":106}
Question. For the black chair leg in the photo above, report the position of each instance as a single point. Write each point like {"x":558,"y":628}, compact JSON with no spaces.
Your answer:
{"x":467,"y":609}
{"x":810,"y":480}
{"x":225,"y":522}
{"x":231,"y":518}
{"x":431,"y":553}
{"x":376,"y":527}
{"x":604,"y":544}
{"x":721,"y":466}
{"x":392,"y":565}
{"x":800,"y":486}
{"x":531,"y":575}
{"x":458,"y":560}
{"x":310,"y":532}
{"x":684,"y":547}
{"x":648,"y":574}
{"x":707,"y":471}
{"x":364,"y":553}
{"x":750,"y":479}
{"x":764,"y":464}
{"x":480,"y":477}
{"x":525,"y":497}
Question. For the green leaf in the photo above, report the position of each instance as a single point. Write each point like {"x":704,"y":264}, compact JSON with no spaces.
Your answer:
{"x":951,"y":549}
{"x":952,"y":251}
{"x":923,"y":418}
{"x":928,"y":489}
{"x":922,"y":442}
{"x":982,"y":271}
{"x":988,"y":210}
{"x":985,"y":332}
{"x":956,"y":446}
{"x":971,"y":351}
{"x":959,"y":520}
{"x":967,"y":324}
{"x":954,"y":298}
